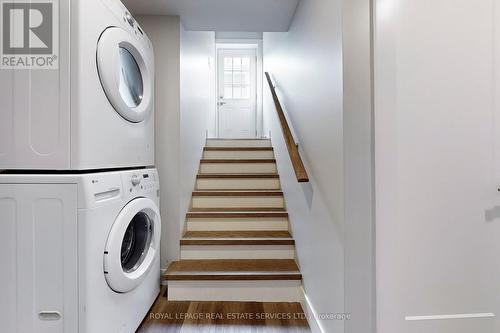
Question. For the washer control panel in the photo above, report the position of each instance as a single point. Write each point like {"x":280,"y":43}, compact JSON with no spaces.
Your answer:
{"x":96,"y":189}
{"x":141,"y":181}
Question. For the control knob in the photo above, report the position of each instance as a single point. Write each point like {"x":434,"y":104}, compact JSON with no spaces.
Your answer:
{"x":135,"y":180}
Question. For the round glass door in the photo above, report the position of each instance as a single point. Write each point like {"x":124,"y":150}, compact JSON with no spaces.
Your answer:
{"x":133,"y":245}
{"x":126,"y":72}
{"x":136,"y":242}
{"x":131,"y":86}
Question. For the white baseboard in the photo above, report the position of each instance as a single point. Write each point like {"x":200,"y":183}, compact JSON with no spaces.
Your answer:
{"x":207,"y":252}
{"x":243,"y":224}
{"x":238,"y":143}
{"x":212,"y":168}
{"x":238,"y":184}
{"x":241,"y":291}
{"x":311,"y":314}
{"x":228,"y":201}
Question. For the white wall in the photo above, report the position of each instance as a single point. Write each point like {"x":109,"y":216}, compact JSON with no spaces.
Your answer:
{"x":307,"y":65}
{"x":197,"y":105}
{"x":359,"y":231}
{"x":238,"y":35}
{"x":165,"y":32}
{"x":437,"y":164}
{"x":183,"y":102}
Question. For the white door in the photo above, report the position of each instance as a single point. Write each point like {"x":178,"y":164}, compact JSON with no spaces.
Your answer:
{"x":437,"y":200}
{"x":237,"y":101}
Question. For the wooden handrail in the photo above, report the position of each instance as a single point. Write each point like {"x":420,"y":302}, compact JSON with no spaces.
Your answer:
{"x":293,"y":151}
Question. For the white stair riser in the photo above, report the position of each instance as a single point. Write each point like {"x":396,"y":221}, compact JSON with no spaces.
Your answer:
{"x":238,"y":224}
{"x":240,"y":154}
{"x":238,"y":143}
{"x":235,"y":168}
{"x":244,"y":291}
{"x":237,"y":252}
{"x":238,"y":202}
{"x":238,"y":184}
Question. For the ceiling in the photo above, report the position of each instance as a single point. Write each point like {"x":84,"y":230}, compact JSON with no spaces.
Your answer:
{"x":222,"y":15}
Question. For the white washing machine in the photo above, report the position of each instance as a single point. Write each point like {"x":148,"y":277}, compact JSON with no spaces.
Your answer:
{"x":93,"y":108}
{"x":79,"y":253}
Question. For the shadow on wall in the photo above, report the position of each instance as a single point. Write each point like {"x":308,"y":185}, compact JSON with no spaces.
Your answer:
{"x":308,"y":191}
{"x":318,"y":236}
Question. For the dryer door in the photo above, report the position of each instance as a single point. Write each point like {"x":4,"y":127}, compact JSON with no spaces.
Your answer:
{"x":126,"y":71}
{"x":133,"y":245}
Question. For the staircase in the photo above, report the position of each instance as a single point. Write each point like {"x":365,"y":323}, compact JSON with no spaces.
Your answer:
{"x":237,"y":244}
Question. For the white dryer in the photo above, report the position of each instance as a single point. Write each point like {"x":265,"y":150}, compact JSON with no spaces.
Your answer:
{"x":94,"y":108}
{"x":79,"y":253}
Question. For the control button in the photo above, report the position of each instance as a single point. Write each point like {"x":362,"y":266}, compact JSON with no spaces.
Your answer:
{"x":135,"y":180}
{"x":129,"y":19}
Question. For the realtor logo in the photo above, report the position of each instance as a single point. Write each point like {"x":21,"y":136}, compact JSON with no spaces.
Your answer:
{"x":29,"y":37}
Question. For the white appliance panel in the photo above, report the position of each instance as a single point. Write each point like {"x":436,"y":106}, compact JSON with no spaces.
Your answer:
{"x":61,"y":119}
{"x":38,"y":286}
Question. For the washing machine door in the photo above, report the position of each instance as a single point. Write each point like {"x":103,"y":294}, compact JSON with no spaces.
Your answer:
{"x":133,"y":245}
{"x":126,"y":72}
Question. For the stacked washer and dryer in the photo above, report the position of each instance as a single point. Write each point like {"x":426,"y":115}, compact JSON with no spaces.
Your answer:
{"x":79,"y":195}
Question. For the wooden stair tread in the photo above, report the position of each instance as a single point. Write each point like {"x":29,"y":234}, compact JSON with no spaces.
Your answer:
{"x":235,"y":190}
{"x":233,"y":269}
{"x":237,"y":193}
{"x":238,"y":149}
{"x":238,"y":234}
{"x":236,"y":175}
{"x":237,"y":241}
{"x":239,"y":209}
{"x":232,"y":214}
{"x":237,"y":161}
{"x":233,"y":265}
{"x":236,"y":269}
{"x":238,"y":139}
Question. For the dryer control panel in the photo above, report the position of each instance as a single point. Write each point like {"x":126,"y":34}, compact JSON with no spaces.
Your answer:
{"x":123,"y":14}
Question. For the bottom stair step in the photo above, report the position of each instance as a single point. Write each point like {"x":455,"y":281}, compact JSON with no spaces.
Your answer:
{"x":231,"y":269}
{"x":234,"y":280}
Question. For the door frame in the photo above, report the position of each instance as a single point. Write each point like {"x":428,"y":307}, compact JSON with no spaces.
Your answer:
{"x":242,"y":44}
